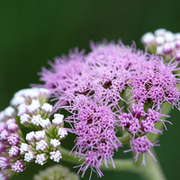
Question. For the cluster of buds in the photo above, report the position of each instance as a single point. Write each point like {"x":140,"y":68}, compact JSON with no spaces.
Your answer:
{"x":163,"y":42}
{"x":10,"y":140}
{"x":138,"y":123}
{"x":29,"y":109}
{"x":56,"y":172}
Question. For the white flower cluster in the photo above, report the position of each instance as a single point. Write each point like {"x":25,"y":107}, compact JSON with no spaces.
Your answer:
{"x":34,"y":112}
{"x":30,"y":107}
{"x":25,"y":96}
{"x":163,"y":42}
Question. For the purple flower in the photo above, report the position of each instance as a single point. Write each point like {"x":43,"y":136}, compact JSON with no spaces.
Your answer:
{"x":4,"y":135}
{"x":2,"y":147}
{"x":13,"y":139}
{"x":96,"y":136}
{"x":4,"y":163}
{"x":18,"y":166}
{"x":110,"y":87}
{"x":14,"y":151}
{"x":141,"y":145}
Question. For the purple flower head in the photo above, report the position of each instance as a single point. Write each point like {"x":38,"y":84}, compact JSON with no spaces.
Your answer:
{"x":3,"y":147}
{"x":134,"y":126}
{"x":4,"y":135}
{"x":13,"y":139}
{"x":138,"y":110}
{"x":97,"y":88}
{"x":3,"y":126}
{"x":29,"y":156}
{"x":91,"y":159}
{"x":63,"y":75}
{"x":141,"y":145}
{"x":13,"y":127}
{"x":167,"y":48}
{"x":177,"y":55}
{"x":147,"y":125}
{"x":18,"y":166}
{"x":3,"y":176}
{"x":96,"y":135}
{"x":14,"y":151}
{"x":154,"y":82}
{"x":125,"y":120}
{"x":4,"y":163}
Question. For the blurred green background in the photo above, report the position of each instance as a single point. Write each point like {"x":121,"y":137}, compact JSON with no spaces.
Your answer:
{"x":33,"y":32}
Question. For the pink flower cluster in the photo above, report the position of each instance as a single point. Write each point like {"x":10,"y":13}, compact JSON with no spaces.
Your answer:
{"x":107,"y":90}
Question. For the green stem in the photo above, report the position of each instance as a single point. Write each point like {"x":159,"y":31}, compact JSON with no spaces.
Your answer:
{"x":125,"y":138}
{"x":121,"y":164}
{"x":152,"y":170}
{"x":165,"y":109}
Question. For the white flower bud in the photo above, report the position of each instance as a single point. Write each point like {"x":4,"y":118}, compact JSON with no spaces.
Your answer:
{"x":160,"y":32}
{"x":148,"y":38}
{"x":58,"y":119}
{"x":62,"y":133}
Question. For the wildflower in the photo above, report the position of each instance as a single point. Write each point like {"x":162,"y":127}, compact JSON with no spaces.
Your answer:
{"x":55,"y":156}
{"x":29,"y":156}
{"x":165,"y":43}
{"x":110,"y":87}
{"x":18,"y":166}
{"x":56,"y":172}
{"x":31,"y":108}
{"x":41,"y":159}
{"x":141,"y":145}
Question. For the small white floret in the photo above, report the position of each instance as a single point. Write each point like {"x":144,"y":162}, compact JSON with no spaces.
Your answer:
{"x":36,"y":120}
{"x":33,"y":107}
{"x":41,"y":145}
{"x":148,"y":38}
{"x":55,"y":156}
{"x":24,"y":148}
{"x":47,"y":108}
{"x":177,"y":36}
{"x":55,"y":143}
{"x":25,"y":119}
{"x":22,"y":109}
{"x":159,"y":40}
{"x":160,"y":32}
{"x":9,"y":111}
{"x":62,"y":133}
{"x":40,"y":159}
{"x":159,"y":50}
{"x":40,"y":135}
{"x":30,"y":136}
{"x":45,"y":123}
{"x":29,"y":156}
{"x":58,"y":119}
{"x":169,"y":36}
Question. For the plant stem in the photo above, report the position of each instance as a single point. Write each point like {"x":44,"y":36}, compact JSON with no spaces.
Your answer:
{"x":152,"y":170}
{"x":121,"y":164}
{"x":165,"y":109}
